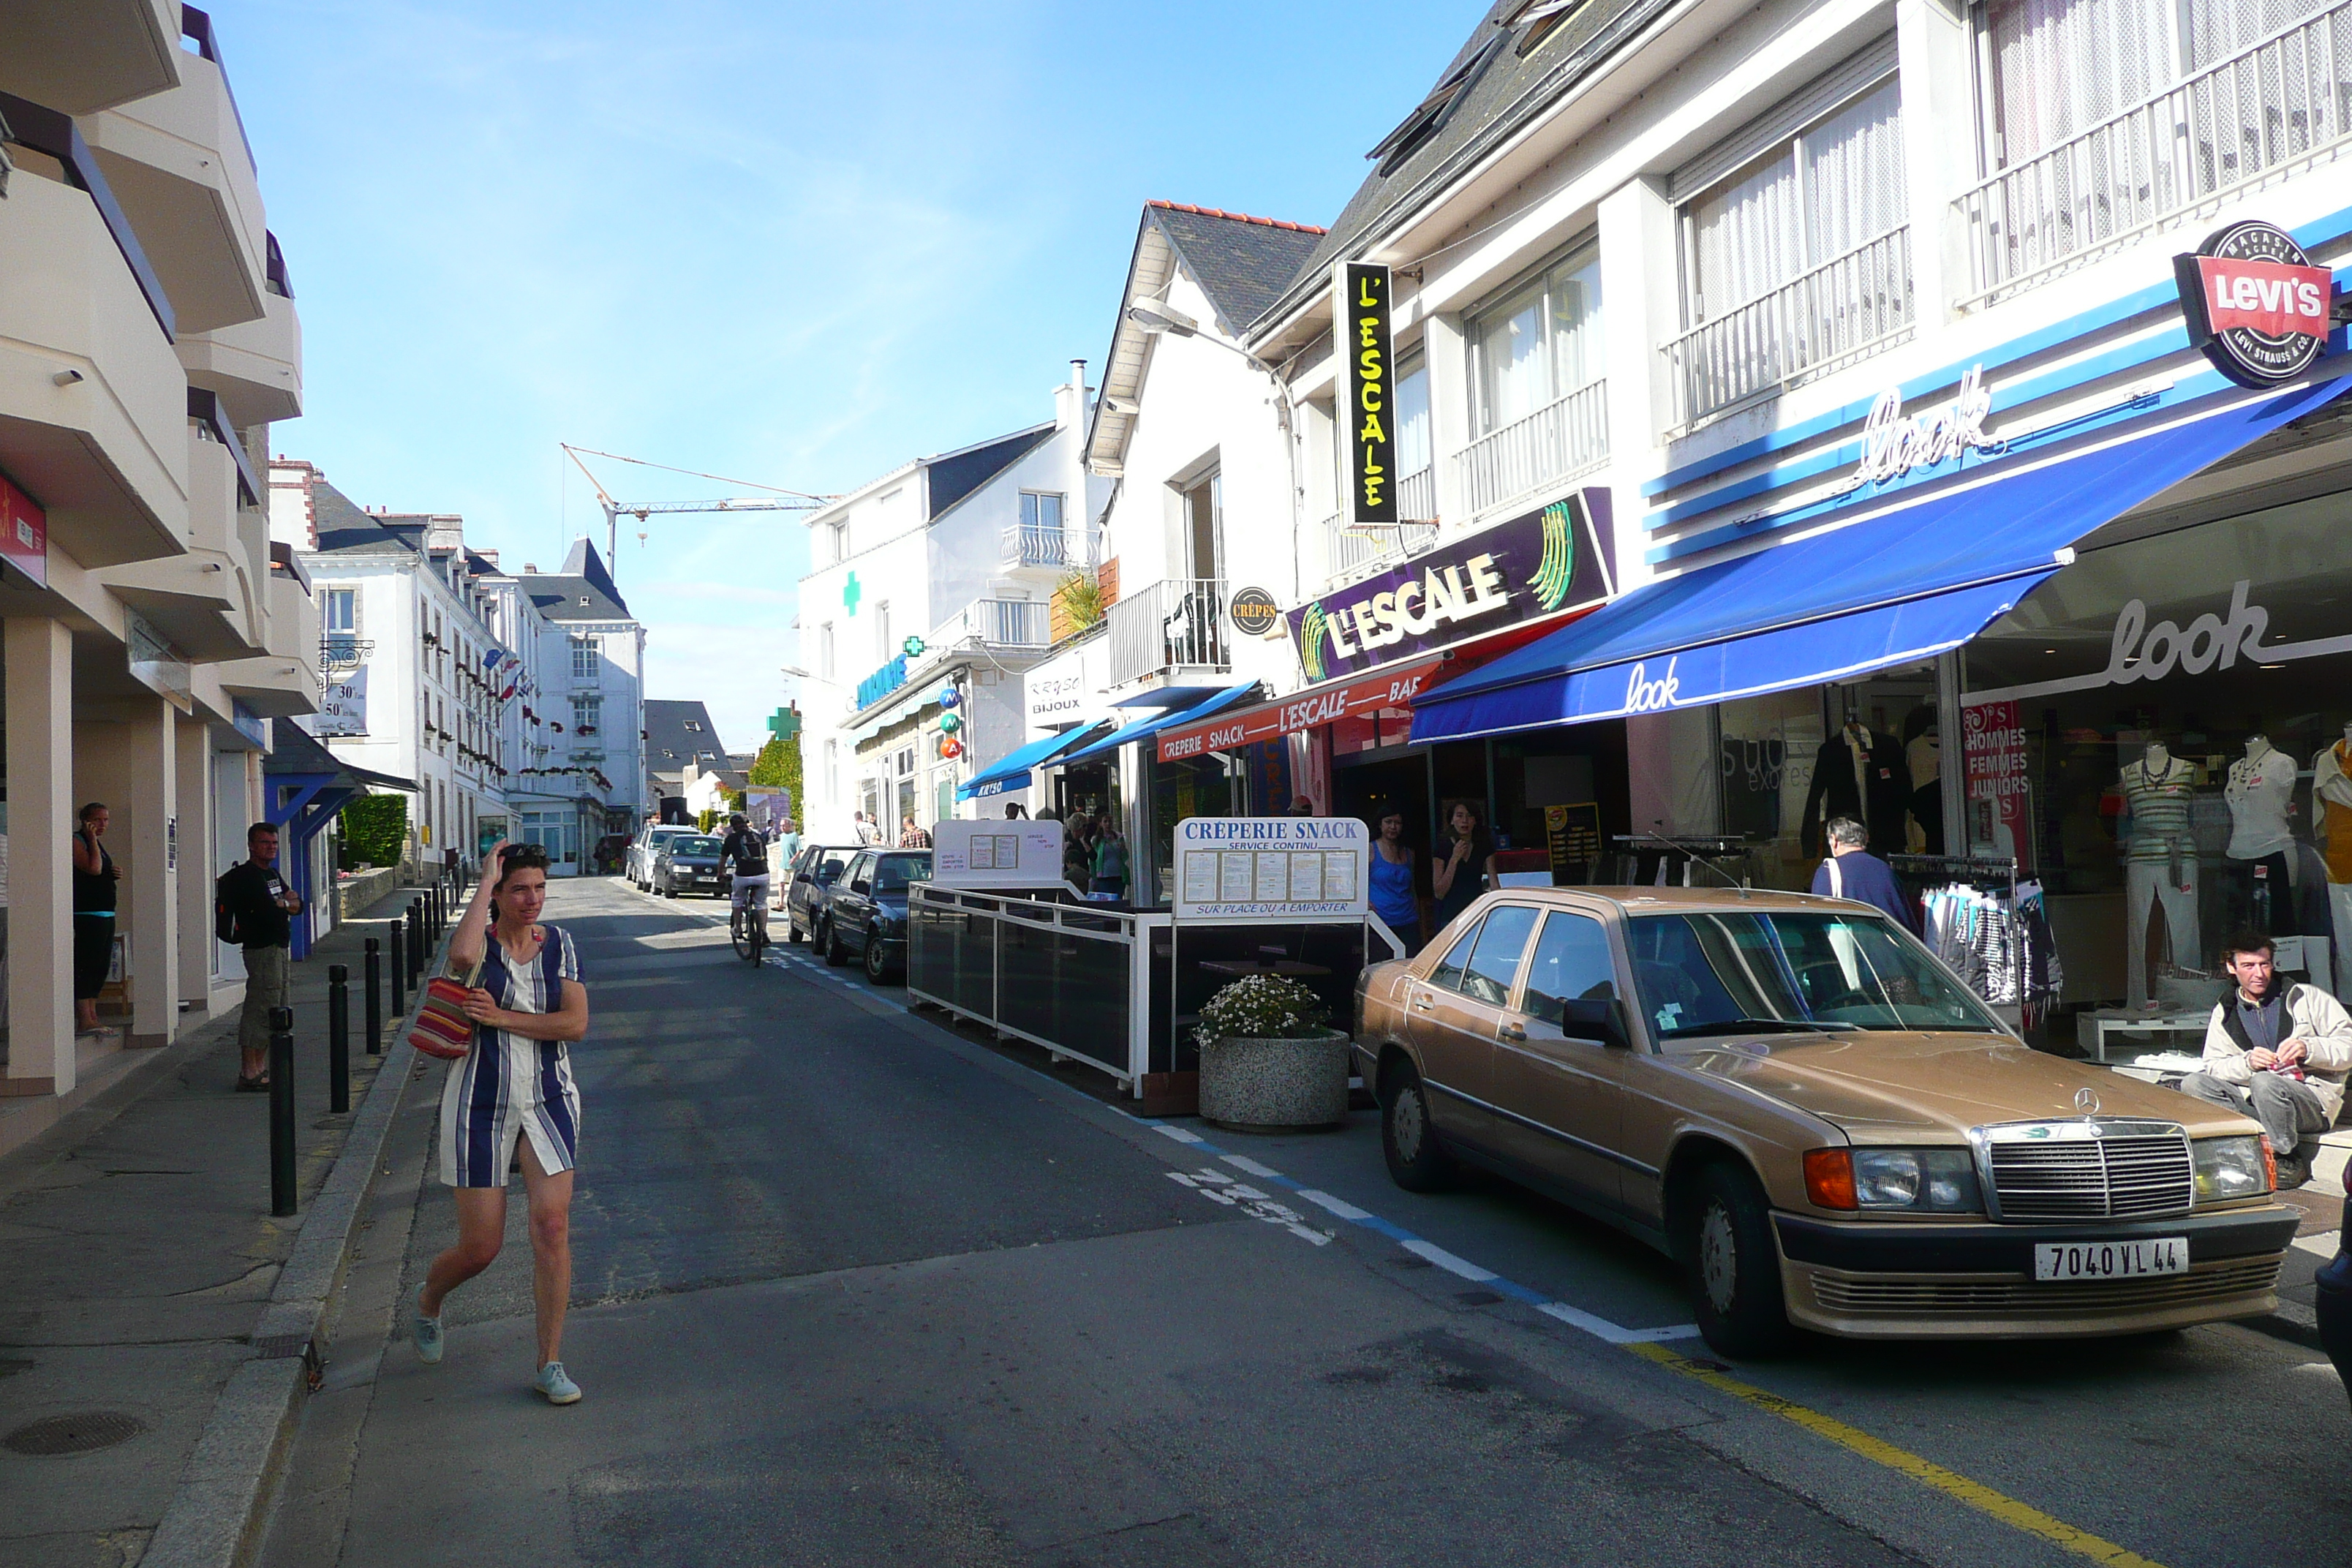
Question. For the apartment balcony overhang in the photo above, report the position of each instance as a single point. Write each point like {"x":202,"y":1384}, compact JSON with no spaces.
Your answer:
{"x":284,"y":680}
{"x":92,"y":403}
{"x":253,"y":367}
{"x":204,"y":601}
{"x":179,"y":164}
{"x":82,"y":56}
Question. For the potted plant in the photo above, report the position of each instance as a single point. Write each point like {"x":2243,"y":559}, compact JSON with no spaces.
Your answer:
{"x":1266,"y":1059}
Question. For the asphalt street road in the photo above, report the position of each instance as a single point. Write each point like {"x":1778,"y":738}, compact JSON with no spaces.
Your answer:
{"x":856,"y":1289}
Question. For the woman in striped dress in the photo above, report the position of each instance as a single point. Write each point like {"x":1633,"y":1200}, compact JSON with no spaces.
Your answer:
{"x":513,"y":1089}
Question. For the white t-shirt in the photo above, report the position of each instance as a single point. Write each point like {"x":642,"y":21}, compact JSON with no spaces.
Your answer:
{"x":2260,"y":791}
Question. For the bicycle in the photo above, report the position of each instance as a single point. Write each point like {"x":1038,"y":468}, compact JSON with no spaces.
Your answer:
{"x":748,"y":928}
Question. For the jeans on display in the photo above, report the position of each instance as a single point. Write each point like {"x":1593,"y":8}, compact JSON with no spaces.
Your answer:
{"x":2281,"y":890}
{"x":2287,"y":1110}
{"x":2149,"y":884}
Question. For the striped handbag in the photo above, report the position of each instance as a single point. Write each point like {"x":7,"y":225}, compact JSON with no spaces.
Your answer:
{"x":442,"y":1028}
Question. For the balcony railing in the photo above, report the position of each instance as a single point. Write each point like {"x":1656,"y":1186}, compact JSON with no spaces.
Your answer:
{"x":1000,"y":622}
{"x":1055,"y":549}
{"x":1353,"y":553}
{"x":46,"y":131}
{"x":1417,"y":495}
{"x":1176,"y":623}
{"x":1848,"y":306}
{"x":1563,"y":438}
{"x":2283,"y":100}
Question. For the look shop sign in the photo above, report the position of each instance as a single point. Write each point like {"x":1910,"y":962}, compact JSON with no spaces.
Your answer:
{"x":1539,"y":564}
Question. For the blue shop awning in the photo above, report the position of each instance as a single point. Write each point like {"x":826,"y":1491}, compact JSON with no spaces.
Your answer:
{"x":1010,"y":771}
{"x":1895,"y":588}
{"x":1144,"y":729}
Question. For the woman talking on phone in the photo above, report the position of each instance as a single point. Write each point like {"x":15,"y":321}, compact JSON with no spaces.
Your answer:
{"x":513,"y":1088}
{"x":1457,"y":870}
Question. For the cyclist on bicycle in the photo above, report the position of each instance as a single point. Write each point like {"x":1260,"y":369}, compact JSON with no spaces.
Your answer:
{"x":746,"y":854}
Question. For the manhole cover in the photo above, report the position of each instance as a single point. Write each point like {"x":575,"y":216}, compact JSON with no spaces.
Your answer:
{"x":81,"y":1433}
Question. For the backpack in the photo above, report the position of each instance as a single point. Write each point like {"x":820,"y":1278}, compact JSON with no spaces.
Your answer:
{"x":224,"y":924}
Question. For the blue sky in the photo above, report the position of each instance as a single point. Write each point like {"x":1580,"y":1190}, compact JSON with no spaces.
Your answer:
{"x":797,"y":243}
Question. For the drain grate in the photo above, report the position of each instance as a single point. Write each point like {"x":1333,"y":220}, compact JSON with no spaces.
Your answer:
{"x":84,"y":1432}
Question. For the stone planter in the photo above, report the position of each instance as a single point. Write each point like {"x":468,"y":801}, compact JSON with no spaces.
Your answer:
{"x":1270,"y":1084}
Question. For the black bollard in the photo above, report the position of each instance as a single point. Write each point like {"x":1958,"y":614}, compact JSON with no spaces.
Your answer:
{"x":338,"y":1038}
{"x":432,"y":908}
{"x":416,"y":942}
{"x":374,"y":999}
{"x":281,"y":1111}
{"x":399,"y":972}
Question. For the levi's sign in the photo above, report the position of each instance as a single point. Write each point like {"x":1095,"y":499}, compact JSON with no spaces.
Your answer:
{"x":1532,"y":567}
{"x":2255,"y":305}
{"x":1389,"y":689}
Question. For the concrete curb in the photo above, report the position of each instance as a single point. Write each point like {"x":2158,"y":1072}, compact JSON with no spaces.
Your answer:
{"x":217,"y":1512}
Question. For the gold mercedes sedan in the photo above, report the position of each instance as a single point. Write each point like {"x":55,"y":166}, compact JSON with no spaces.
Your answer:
{"x":1795,"y":1099}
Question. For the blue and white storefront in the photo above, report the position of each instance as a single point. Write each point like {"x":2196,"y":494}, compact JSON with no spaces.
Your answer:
{"x":2075,"y":599}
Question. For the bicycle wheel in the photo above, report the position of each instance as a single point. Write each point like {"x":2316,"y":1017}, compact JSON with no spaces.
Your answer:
{"x":758,"y":920}
{"x":739,"y":931}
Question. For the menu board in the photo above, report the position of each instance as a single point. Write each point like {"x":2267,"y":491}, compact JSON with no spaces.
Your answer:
{"x":1257,"y":868}
{"x":985,"y":854}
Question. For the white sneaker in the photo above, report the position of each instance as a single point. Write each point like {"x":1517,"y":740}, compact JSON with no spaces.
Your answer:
{"x":554,"y":1383}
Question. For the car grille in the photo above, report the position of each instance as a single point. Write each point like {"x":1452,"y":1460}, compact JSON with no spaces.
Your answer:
{"x":2082,"y":1170}
{"x":2008,"y":1296}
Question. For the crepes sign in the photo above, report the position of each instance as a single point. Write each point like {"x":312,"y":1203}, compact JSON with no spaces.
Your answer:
{"x":1532,"y":566}
{"x":2255,"y":305}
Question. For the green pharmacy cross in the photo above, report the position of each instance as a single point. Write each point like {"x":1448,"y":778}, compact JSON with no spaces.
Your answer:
{"x":851,"y":593}
{"x":784,"y":723}
{"x":912,"y":647}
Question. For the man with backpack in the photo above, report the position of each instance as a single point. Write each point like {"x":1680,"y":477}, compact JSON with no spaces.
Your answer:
{"x":253,"y":908}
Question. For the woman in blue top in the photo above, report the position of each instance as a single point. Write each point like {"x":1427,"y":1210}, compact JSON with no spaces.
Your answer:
{"x":1392,"y":891}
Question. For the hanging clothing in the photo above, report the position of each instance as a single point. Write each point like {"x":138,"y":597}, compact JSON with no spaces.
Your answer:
{"x":1864,"y":775}
{"x":1996,"y":940}
{"x":2331,"y":788}
{"x":2261,"y":793}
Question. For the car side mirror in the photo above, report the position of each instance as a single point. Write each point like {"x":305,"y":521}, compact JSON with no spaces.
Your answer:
{"x":861,"y":886}
{"x":1602,"y":1019}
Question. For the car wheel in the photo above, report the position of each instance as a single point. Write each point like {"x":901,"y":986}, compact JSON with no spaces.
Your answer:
{"x":836,"y":955}
{"x":1418,"y":1161}
{"x":878,"y":968}
{"x":1726,"y":1245}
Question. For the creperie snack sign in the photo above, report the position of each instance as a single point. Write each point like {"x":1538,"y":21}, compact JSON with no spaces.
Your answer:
{"x":1391,"y":689}
{"x":2254,"y":303}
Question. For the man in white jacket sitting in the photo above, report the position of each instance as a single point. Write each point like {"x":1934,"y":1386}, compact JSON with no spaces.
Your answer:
{"x":2277,"y":1052}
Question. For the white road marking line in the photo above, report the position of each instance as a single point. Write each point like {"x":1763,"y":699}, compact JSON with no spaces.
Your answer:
{"x":2325,"y":1244}
{"x":1220,"y":1188}
{"x":1177,"y":1133}
{"x":1340,"y":1206}
{"x":1245,"y":1163}
{"x":1449,"y":1262}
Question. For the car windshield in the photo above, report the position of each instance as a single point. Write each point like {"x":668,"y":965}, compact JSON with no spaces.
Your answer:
{"x":896,"y":870}
{"x":1719,"y":973}
{"x":684,"y":847}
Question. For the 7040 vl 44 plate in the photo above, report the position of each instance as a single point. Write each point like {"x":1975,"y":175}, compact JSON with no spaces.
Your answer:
{"x":2111,"y":1260}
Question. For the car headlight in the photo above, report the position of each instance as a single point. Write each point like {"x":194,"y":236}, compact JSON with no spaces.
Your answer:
{"x":1927,"y":1181}
{"x":2231,"y":1168}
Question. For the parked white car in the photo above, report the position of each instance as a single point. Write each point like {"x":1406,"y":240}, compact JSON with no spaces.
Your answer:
{"x":639,"y":866}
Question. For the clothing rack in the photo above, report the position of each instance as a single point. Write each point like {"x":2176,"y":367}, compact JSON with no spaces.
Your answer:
{"x":1624,"y":863}
{"x":1961,"y":867}
{"x":2013,"y":963}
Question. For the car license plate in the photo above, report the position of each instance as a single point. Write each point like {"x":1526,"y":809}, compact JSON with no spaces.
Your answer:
{"x":2110,"y":1260}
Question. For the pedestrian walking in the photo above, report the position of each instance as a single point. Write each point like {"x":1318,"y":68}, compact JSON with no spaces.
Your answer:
{"x":256,"y":910}
{"x":1078,"y":851}
{"x":94,"y":876}
{"x":913,"y":837}
{"x":1852,"y":871}
{"x":1110,"y":858}
{"x":1392,"y":891}
{"x":1013,"y":812}
{"x":512,"y":1090}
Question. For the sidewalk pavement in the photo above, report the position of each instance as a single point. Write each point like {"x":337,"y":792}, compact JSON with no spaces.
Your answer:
{"x":151,"y":1311}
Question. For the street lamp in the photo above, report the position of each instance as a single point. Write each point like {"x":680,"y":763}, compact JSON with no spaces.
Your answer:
{"x":1157,"y":316}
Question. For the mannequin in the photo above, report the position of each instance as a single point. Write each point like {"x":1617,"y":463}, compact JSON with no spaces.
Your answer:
{"x":2261,"y":795}
{"x":1923,"y":750}
{"x":2159,"y":863}
{"x":2331,"y":797}
{"x":1862,"y":775}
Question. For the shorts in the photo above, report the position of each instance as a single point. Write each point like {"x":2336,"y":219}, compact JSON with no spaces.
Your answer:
{"x":749,"y":891}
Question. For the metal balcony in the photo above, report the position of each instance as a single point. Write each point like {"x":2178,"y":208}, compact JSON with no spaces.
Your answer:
{"x":1563,"y":438}
{"x":1849,"y":306}
{"x":2283,"y":103}
{"x":1034,"y":547}
{"x":1354,"y":552}
{"x":999,"y":623}
{"x":1177,"y":623}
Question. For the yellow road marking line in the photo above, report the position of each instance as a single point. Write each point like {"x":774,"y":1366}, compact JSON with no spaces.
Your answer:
{"x":1976,"y":1495}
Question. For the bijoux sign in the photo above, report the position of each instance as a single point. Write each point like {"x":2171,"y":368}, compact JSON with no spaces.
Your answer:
{"x":2255,"y":306}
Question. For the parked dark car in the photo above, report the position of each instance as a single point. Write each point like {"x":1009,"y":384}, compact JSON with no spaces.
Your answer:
{"x":809,"y":884}
{"x":690,"y":863}
{"x":867,"y":911}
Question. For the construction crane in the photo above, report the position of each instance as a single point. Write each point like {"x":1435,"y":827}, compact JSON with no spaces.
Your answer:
{"x":776,"y":500}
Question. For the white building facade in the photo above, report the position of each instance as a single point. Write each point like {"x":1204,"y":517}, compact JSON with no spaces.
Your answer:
{"x":572,"y":736}
{"x":960,"y":553}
